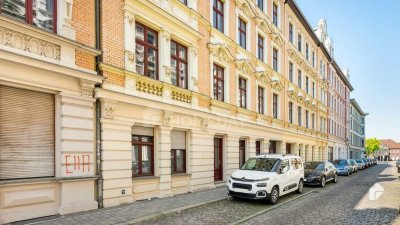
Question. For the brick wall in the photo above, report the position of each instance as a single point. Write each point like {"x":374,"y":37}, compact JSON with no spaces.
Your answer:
{"x":85,"y":60}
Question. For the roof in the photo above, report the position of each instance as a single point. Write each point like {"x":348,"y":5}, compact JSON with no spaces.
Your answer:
{"x":389,"y":143}
{"x":297,"y":11}
{"x":357,"y":107}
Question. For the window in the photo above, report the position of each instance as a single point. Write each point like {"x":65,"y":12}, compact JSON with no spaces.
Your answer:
{"x":260,"y":4}
{"x":178,"y":152}
{"x":28,"y":152}
{"x":258,"y":147}
{"x":313,"y":121}
{"x":242,"y":33}
{"x":275,"y":59}
{"x":307,"y":52}
{"x":42,"y":14}
{"x":146,"y":51}
{"x":291,"y":32}
{"x":313,"y":89}
{"x":218,"y":74}
{"x":299,"y":115}
{"x":260,"y":48}
{"x":299,"y":43}
{"x":275,"y":106}
{"x":291,"y":112}
{"x":260,"y":100}
{"x":242,"y":152}
{"x":299,"y":78}
{"x":142,"y":155}
{"x":179,"y":65}
{"x":275,"y":14}
{"x":218,"y":15}
{"x":242,"y":92}
{"x":313,"y":59}
{"x":307,"y":85}
{"x":183,"y":1}
{"x":291,"y":72}
{"x":307,"y":119}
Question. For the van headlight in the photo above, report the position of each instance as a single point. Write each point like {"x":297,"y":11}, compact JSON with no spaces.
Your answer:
{"x":261,"y":185}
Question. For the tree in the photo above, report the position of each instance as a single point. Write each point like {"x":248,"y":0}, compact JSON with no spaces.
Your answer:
{"x":372,"y":145}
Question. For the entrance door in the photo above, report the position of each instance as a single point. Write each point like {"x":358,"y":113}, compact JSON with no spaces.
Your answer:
{"x":242,"y":152}
{"x":218,"y":159}
{"x":272,"y":147}
{"x":288,"y":148}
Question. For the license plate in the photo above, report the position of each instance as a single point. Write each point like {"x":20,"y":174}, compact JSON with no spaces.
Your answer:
{"x":305,"y":179}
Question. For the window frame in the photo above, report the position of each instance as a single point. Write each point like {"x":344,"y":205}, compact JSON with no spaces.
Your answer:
{"x":178,"y":61}
{"x":242,"y":32}
{"x":299,"y":115}
{"x":307,"y":51}
{"x":146,"y":46}
{"x":258,"y":147}
{"x":174,"y":166}
{"x":183,"y":2}
{"x":260,"y":4}
{"x":307,"y":119}
{"x":291,"y":67}
{"x":217,"y":13}
{"x":275,"y":14}
{"x":291,"y":32}
{"x":29,"y":15}
{"x":260,"y":92}
{"x":299,"y":78}
{"x":307,"y":84}
{"x":290,"y":112}
{"x":275,"y":99}
{"x":216,"y":80}
{"x":275,"y":59}
{"x":140,"y":144}
{"x":299,"y":42}
{"x":260,"y":47}
{"x":242,"y":92}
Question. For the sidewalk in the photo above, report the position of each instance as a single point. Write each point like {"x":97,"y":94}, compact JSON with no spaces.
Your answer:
{"x":137,"y":211}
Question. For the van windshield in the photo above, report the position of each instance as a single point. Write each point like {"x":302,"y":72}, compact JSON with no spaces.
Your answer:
{"x":260,"y":164}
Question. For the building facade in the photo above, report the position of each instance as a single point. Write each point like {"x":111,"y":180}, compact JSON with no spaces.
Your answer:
{"x":194,"y":88}
{"x":357,"y":127}
{"x":188,"y":91}
{"x":390,"y":150}
{"x":47,"y":122}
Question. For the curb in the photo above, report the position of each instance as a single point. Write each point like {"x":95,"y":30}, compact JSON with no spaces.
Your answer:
{"x":272,"y":208}
{"x":168,"y":212}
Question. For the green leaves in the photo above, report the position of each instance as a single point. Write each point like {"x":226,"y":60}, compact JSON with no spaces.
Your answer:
{"x":372,"y":145}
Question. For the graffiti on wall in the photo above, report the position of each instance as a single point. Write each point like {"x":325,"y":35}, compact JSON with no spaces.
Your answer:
{"x":77,"y":163}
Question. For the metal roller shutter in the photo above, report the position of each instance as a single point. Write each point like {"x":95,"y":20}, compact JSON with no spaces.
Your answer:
{"x":178,"y":140}
{"x":26,"y":133}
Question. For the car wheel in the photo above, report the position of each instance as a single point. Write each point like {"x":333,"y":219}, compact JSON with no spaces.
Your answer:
{"x":323,"y":182}
{"x":300,"y":187}
{"x":274,"y":196}
{"x":348,"y":173}
{"x":335,"y":179}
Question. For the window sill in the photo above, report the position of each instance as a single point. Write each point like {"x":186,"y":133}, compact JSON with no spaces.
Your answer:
{"x":145,"y":178}
{"x":45,"y":180}
{"x":181,"y":175}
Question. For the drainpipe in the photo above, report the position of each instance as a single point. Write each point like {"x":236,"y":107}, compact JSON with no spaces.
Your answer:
{"x":98,"y":107}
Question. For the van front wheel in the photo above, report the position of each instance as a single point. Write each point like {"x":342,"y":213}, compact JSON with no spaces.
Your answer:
{"x":300,"y":187}
{"x":274,"y":196}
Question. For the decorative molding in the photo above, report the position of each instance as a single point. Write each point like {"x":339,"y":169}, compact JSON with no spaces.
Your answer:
{"x":109,"y":107}
{"x":166,"y":119}
{"x":276,"y":83}
{"x":181,"y":95}
{"x":204,"y":124}
{"x":246,"y":8}
{"x":129,"y":18}
{"x":263,"y":24}
{"x":27,"y":43}
{"x":244,"y":66}
{"x":221,"y":52}
{"x":87,"y":88}
{"x":167,"y":71}
{"x":130,"y":56}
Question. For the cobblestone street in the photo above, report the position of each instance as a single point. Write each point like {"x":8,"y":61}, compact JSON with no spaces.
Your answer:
{"x":346,"y":202}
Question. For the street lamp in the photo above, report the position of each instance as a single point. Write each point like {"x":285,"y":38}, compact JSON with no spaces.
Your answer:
{"x":348,"y":146}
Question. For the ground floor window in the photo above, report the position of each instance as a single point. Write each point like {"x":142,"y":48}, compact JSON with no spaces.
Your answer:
{"x":142,"y":152}
{"x":258,"y":147}
{"x":272,"y":147}
{"x":27,"y":124}
{"x":178,"y":152}
{"x":242,"y":152}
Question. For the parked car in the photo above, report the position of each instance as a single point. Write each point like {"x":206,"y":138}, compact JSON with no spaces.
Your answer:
{"x":366,"y":163}
{"x":375,"y":161}
{"x":319,"y":173}
{"x":343,"y":167}
{"x":361,"y":164}
{"x":268,"y":177}
{"x":354,"y":164}
{"x":398,"y":165}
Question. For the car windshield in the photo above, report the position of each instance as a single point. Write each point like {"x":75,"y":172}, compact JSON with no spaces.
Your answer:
{"x":340,"y":162}
{"x":259,"y":164}
{"x":314,"y":166}
{"x":359,"y":161}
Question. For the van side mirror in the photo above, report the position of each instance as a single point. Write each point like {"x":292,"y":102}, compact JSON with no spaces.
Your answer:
{"x":326,"y":169}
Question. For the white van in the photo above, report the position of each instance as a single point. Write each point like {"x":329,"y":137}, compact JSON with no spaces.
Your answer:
{"x":267,"y":177}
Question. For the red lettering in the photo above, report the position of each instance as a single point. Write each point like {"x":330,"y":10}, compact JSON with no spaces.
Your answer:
{"x":67,"y":164}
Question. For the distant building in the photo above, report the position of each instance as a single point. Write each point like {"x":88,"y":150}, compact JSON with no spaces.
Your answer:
{"x":357,"y":130}
{"x":390,"y":150}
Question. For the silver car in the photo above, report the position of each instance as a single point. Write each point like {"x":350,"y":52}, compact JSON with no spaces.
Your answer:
{"x":398,"y":165}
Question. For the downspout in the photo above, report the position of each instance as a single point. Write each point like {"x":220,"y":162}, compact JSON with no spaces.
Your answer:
{"x":98,"y":107}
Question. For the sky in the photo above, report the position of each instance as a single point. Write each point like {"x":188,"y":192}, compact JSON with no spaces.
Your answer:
{"x":366,"y":36}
